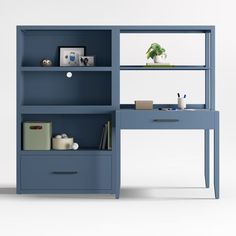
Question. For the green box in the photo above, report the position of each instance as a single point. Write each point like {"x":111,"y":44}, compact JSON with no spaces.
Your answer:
{"x":37,"y":135}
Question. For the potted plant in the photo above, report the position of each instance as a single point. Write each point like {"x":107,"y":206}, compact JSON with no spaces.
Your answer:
{"x":156,"y":52}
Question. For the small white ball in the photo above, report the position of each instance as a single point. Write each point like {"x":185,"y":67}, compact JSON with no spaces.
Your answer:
{"x":58,"y":136}
{"x":64,"y":136}
{"x":75,"y":146}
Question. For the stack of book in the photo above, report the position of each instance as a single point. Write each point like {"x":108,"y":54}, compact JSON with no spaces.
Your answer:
{"x":105,"y":142}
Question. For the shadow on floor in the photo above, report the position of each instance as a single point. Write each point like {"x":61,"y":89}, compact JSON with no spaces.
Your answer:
{"x":7,"y":190}
{"x":127,"y":193}
{"x":163,"y":193}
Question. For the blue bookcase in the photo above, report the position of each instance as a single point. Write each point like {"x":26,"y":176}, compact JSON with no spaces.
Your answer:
{"x":81,"y":105}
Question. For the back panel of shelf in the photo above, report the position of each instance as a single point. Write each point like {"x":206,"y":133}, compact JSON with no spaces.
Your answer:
{"x":54,"y":88}
{"x":39,"y":44}
{"x":86,"y":129}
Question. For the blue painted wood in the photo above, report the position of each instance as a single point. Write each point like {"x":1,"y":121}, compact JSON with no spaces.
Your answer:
{"x":39,"y":44}
{"x":207,"y":72}
{"x":90,"y":103}
{"x":84,"y":88}
{"x":154,"y":119}
{"x":63,"y":27}
{"x":18,"y":104}
{"x":157,"y":106}
{"x":65,"y":69}
{"x":207,"y":157}
{"x":66,"y":173}
{"x":72,"y":153}
{"x":217,"y":156}
{"x":92,"y":192}
{"x":125,"y":28}
{"x":118,"y":165}
{"x":212,"y":72}
{"x":207,"y":104}
{"x":86,"y":129}
{"x":66,"y":109}
{"x":174,"y":67}
{"x":166,"y":29}
{"x":116,"y":104}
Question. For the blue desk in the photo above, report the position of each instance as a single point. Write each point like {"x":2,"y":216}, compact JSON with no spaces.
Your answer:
{"x":155,"y":119}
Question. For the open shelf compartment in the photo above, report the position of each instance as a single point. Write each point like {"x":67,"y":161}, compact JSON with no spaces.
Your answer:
{"x":84,"y":89}
{"x":86,"y":129}
{"x":39,"y":44}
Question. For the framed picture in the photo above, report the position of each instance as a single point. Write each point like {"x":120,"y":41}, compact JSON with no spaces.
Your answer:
{"x":70,"y":56}
{"x":87,"y":60}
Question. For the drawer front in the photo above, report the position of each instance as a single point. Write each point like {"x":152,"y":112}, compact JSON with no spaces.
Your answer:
{"x":166,"y":120}
{"x":66,"y":172}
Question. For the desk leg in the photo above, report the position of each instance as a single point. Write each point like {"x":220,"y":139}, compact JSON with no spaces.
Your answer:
{"x":216,"y":157}
{"x":207,"y":157}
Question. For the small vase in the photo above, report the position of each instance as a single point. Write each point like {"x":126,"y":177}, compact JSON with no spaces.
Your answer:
{"x":157,"y":59}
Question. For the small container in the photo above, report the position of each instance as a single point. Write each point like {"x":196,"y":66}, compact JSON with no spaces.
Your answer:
{"x":182,"y":103}
{"x":62,"y":143}
{"x":37,"y":135}
{"x":144,"y":105}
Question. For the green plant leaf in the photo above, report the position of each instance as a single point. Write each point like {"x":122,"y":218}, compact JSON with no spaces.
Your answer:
{"x":149,"y":49}
{"x":154,"y":50}
{"x":152,"y":54}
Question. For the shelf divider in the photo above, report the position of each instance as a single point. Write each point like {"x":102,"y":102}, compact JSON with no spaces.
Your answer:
{"x":66,"y":109}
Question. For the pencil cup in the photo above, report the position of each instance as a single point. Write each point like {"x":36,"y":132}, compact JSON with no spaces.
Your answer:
{"x":181,"y":103}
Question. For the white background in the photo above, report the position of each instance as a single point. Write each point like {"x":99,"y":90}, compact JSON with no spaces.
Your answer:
{"x":162,"y":171}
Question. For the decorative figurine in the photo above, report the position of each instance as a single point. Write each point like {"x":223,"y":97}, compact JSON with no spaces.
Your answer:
{"x":46,"y":62}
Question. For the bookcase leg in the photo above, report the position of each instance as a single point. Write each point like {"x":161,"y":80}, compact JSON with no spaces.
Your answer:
{"x":207,"y":157}
{"x":117,"y":195}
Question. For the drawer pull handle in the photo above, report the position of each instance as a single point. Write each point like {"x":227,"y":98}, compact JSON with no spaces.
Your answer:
{"x":165,"y":120}
{"x":65,"y":172}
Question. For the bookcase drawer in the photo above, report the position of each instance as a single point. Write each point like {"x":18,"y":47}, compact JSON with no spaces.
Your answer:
{"x":131,"y":119}
{"x":58,"y":173}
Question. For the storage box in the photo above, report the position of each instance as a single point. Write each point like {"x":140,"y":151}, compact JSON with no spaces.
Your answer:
{"x":144,"y":105}
{"x":37,"y":135}
{"x":62,"y":143}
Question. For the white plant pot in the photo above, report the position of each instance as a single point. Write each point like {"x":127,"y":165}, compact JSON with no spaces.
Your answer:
{"x":157,"y":59}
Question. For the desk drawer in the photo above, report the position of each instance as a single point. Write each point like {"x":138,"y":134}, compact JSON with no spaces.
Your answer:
{"x":54,"y":172}
{"x":131,"y":119}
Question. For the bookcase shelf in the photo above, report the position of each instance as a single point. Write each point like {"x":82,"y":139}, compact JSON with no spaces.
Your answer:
{"x":81,"y":152}
{"x":64,"y":69}
{"x":165,"y":67}
{"x":66,"y":109}
{"x":86,"y":129}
